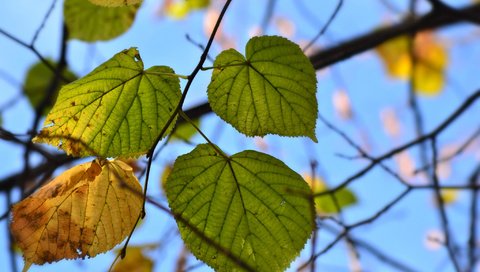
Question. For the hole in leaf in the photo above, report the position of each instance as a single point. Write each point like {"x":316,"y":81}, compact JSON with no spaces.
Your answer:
{"x":51,"y":124}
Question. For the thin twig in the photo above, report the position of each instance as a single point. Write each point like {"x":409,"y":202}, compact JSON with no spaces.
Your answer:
{"x":469,"y":101}
{"x":472,"y":239}
{"x":45,"y":18}
{"x":325,"y":27}
{"x":268,"y":15}
{"x":441,"y":207}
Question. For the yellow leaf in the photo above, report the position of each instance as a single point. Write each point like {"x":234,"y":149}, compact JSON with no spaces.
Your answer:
{"x":85,"y":211}
{"x":177,"y":10}
{"x":431,"y":60}
{"x":449,"y":196}
{"x":134,"y":261}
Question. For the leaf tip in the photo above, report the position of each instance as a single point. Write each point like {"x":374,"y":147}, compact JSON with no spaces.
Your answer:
{"x":27,"y":266}
{"x":314,"y":138}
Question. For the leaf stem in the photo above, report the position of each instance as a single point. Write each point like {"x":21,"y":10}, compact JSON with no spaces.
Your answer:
{"x":191,"y":77}
{"x":214,"y":146}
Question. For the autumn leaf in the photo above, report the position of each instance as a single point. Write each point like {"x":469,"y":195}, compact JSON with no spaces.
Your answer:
{"x":431,"y":61}
{"x":136,"y":260}
{"x":181,"y":8}
{"x":449,"y":196}
{"x":85,"y":211}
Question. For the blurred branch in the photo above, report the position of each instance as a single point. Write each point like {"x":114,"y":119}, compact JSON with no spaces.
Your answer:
{"x":441,"y":207}
{"x":44,"y":20}
{"x":355,"y":46}
{"x":348,"y":228}
{"x":49,"y":95}
{"x":459,"y":151}
{"x":379,"y":254}
{"x":20,"y":178}
{"x":412,"y":96}
{"x":29,"y":47}
{"x":325,"y":27}
{"x":268,"y":15}
{"x":440,"y":6}
{"x":374,"y":161}
{"x":472,"y":239}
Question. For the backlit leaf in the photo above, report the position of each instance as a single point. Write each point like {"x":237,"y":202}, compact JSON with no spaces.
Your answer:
{"x":85,"y":211}
{"x":118,"y":109}
{"x":250,"y":204}
{"x":115,"y":3}
{"x":185,"y":131}
{"x":38,"y":80}
{"x":431,"y":61}
{"x":271,"y":91}
{"x":135,"y":260}
{"x":88,"y":22}
{"x":326,"y":204}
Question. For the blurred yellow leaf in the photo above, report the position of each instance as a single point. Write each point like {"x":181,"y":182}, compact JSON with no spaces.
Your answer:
{"x":134,"y":261}
{"x":449,"y":196}
{"x":325,"y":204}
{"x":85,"y":211}
{"x":180,"y":9}
{"x":431,"y":61}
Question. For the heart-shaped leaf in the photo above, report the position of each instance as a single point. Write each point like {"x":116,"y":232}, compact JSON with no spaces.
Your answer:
{"x":249,"y":208}
{"x":118,"y":109}
{"x":270,"y":91}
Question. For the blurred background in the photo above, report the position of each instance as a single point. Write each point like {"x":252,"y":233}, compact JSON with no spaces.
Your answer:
{"x":387,"y":217}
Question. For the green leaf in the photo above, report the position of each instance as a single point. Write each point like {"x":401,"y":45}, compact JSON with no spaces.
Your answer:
{"x":38,"y":80}
{"x":185,"y":131}
{"x":115,"y":3}
{"x":325,"y":204}
{"x":330,"y":203}
{"x":272,"y":90}
{"x":116,"y":110}
{"x":250,"y":204}
{"x":88,"y":22}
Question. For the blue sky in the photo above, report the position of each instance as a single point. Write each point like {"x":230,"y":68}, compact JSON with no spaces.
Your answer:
{"x":161,"y":41}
